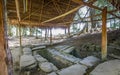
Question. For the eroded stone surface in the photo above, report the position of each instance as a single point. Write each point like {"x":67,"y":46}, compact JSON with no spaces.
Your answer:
{"x":40,"y":59}
{"x":27,"y":61}
{"x":76,"y":69}
{"x":27,"y":51}
{"x":90,"y":61}
{"x":111,"y":67}
{"x":47,"y":67}
{"x":53,"y":73}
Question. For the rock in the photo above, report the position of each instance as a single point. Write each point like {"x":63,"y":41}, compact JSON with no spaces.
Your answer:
{"x":40,"y":47}
{"x":53,"y":73}
{"x":62,"y":47}
{"x":65,"y":56}
{"x":90,"y":61}
{"x":111,"y":67}
{"x":47,"y":67}
{"x":16,"y":53}
{"x":69,"y":50}
{"x":27,"y":51}
{"x":40,"y":58}
{"x":54,"y":67}
{"x":76,"y":69}
{"x":27,"y":62}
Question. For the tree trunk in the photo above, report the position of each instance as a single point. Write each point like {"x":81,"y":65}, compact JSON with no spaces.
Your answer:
{"x":30,"y":31}
{"x":36,"y":33}
{"x":9,"y":30}
{"x":65,"y":31}
{"x":68,"y":31}
{"x":46,"y":34}
{"x":93,"y":23}
{"x":17,"y":31}
{"x":50,"y":35}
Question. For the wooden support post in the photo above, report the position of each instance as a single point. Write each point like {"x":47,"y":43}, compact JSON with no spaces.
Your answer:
{"x":3,"y":65}
{"x":104,"y":34}
{"x":6,"y":67}
{"x":19,"y":19}
{"x":50,"y":35}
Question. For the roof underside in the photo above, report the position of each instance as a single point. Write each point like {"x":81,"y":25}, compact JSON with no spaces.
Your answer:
{"x":44,"y":13}
{"x":38,"y":11}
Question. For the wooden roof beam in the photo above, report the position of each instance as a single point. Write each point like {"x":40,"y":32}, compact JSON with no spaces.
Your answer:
{"x":17,"y":9}
{"x":62,"y":15}
{"x":92,"y":6}
{"x":32,"y":23}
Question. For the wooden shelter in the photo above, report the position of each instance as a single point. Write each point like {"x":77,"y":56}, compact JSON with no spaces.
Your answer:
{"x":44,"y":13}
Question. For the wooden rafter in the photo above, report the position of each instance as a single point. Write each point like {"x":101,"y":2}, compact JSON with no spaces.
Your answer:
{"x":35,"y":11}
{"x":67,"y":13}
{"x":17,"y":9}
{"x":40,"y":16}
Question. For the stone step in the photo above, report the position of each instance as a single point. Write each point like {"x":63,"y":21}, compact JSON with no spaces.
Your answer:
{"x":37,"y":48}
{"x":27,"y":62}
{"x":61,"y":47}
{"x":90,"y":61}
{"x":68,"y":50}
{"x":65,"y":56}
{"x":47,"y":67}
{"x":76,"y":69}
{"x":44,"y":65}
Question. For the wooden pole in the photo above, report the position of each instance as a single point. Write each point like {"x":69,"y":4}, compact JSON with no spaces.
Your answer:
{"x":19,"y":19}
{"x":6,"y":67}
{"x":104,"y":34}
{"x":3,"y":65}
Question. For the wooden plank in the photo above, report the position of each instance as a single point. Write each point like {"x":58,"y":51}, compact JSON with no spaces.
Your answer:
{"x":104,"y":34}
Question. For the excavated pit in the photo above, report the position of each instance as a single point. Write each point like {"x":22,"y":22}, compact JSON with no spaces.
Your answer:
{"x":57,"y":61}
